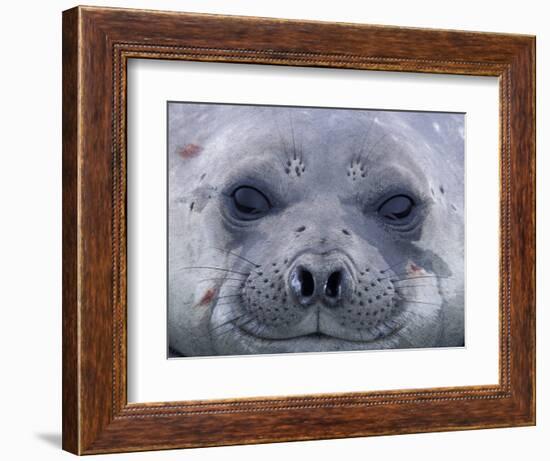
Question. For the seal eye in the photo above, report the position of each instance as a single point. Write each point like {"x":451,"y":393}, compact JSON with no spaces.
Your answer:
{"x":250,"y":203}
{"x":396,"y":208}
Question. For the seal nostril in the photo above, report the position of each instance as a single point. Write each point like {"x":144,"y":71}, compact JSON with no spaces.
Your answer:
{"x":334,"y":282}
{"x":307,"y":285}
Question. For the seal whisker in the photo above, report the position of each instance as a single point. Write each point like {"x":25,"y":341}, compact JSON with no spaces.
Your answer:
{"x":221,"y":278}
{"x":231,"y":289}
{"x":217,"y":298}
{"x":232,"y":285}
{"x":393,"y":265}
{"x":231,"y":320}
{"x":225,"y":303}
{"x":287,"y":162}
{"x":237,"y":256}
{"x":384,"y":136}
{"x":364,"y":140}
{"x":415,"y":286}
{"x":415,"y":301}
{"x":410,"y":276}
{"x":215,"y":269}
{"x":293,"y":137}
{"x":421,"y":277}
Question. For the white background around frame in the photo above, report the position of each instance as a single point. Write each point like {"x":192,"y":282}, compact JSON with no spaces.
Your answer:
{"x":151,"y":377}
{"x":30,"y":235}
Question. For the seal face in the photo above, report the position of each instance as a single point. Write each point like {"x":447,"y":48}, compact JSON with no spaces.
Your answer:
{"x":313,"y":230}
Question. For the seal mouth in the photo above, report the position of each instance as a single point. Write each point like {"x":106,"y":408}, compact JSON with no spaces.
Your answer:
{"x":384,"y":331}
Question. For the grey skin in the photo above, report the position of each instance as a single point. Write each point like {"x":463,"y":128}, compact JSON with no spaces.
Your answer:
{"x":242,"y":286}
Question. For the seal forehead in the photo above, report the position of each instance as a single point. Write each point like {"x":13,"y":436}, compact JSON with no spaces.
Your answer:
{"x":316,"y":146}
{"x":313,"y":135}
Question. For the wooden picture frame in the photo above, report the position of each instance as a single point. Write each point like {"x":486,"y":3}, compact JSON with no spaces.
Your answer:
{"x":97,"y":43}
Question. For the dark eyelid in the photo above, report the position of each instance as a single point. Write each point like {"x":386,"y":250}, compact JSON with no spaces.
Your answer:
{"x":396,"y":208}
{"x":258,"y":191}
{"x":249,"y":203}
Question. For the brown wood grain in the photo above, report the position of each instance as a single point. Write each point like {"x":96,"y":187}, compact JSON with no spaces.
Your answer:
{"x":97,"y":43}
{"x":70,"y":384}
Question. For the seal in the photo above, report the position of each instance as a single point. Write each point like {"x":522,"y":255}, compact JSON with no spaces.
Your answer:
{"x":310,"y":229}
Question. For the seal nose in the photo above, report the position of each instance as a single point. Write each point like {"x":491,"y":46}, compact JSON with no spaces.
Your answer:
{"x":333,"y":285}
{"x":310,"y":283}
{"x":302,"y":284}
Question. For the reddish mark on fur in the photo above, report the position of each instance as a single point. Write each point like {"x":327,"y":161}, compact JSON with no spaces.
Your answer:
{"x":190,"y":151}
{"x":207,"y":297}
{"x":415,"y":268}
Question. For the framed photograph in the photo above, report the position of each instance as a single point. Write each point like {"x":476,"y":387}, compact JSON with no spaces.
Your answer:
{"x":281,"y":230}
